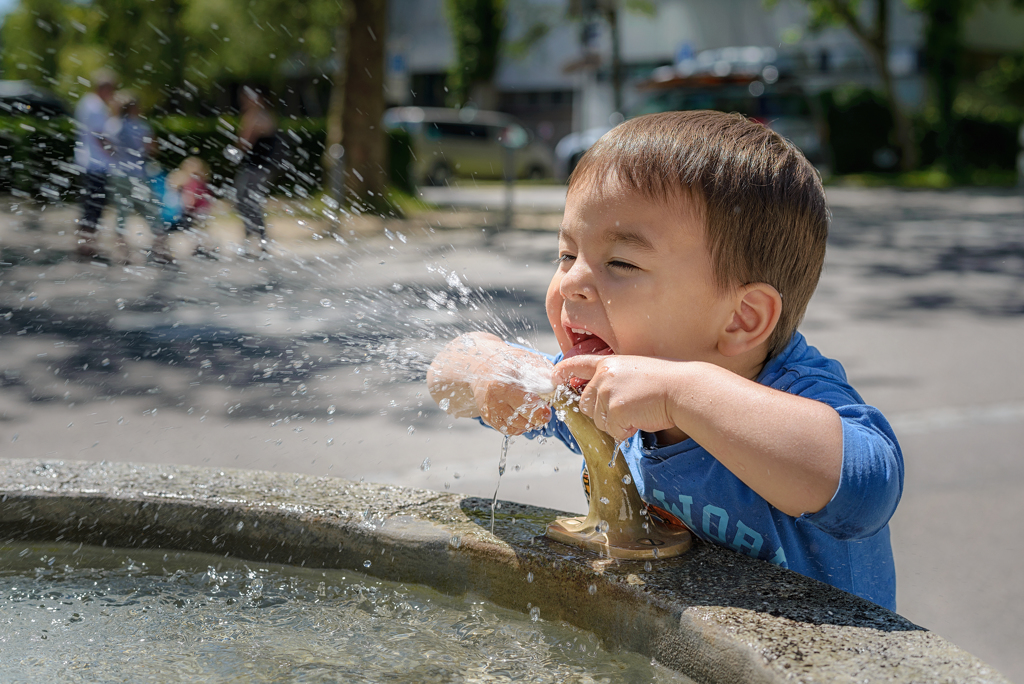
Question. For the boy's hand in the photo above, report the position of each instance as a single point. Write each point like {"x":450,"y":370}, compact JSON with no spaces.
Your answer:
{"x":623,"y":394}
{"x":478,"y":374}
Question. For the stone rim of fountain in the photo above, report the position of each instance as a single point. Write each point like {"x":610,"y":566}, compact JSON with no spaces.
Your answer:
{"x":712,"y":614}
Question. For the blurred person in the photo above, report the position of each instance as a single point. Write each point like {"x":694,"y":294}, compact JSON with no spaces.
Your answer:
{"x":131,"y":144}
{"x":185,"y":201}
{"x":92,"y":153}
{"x":259,"y":145}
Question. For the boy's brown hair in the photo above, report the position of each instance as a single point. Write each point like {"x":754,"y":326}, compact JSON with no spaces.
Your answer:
{"x":762,"y":202}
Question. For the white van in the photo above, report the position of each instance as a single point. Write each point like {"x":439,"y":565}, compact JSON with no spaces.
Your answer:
{"x":467,"y":142}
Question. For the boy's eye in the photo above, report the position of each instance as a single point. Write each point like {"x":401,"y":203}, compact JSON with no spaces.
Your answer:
{"x":564,"y":257}
{"x":622,"y":265}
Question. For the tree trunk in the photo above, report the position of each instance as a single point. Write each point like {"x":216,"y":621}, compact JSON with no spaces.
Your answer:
{"x":876,"y":42}
{"x":365,"y":142}
{"x":336,"y":111}
{"x":901,"y":121}
{"x":944,"y":50}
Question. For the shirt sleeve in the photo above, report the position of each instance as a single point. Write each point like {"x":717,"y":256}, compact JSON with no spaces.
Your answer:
{"x":871,"y":480}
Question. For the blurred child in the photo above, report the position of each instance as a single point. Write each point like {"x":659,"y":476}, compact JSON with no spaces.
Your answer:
{"x":185,"y":205}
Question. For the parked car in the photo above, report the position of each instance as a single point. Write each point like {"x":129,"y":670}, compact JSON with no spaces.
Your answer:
{"x":24,"y":98}
{"x":467,"y":142}
{"x":755,"y":82}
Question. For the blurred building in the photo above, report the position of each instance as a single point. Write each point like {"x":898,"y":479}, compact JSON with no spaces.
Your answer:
{"x":562,"y":82}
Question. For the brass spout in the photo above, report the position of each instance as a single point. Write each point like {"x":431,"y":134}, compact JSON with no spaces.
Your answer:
{"x":618,"y":524}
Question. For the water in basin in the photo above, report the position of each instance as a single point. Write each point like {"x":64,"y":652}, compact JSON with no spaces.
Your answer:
{"x":79,"y":613}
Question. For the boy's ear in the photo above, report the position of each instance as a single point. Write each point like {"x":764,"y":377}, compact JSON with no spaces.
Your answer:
{"x":754,"y":317}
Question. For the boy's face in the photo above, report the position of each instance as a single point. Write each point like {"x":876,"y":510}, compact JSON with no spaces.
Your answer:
{"x":634,"y":277}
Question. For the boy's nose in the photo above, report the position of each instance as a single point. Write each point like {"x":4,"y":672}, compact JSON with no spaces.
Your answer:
{"x":577,"y":283}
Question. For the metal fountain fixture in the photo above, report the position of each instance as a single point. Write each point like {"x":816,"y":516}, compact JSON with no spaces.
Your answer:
{"x":618,"y":524}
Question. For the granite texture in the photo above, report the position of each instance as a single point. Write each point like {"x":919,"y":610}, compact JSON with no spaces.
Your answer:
{"x":712,"y":614}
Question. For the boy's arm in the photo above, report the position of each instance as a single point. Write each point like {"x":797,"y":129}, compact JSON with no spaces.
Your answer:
{"x":788,"y":449}
{"x":478,"y":374}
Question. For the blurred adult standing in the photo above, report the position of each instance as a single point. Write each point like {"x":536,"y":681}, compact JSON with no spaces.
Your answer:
{"x":131,"y":144}
{"x":92,"y":154}
{"x":259,"y":145}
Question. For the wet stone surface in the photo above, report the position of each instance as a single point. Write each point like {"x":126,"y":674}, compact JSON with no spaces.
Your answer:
{"x":712,"y":614}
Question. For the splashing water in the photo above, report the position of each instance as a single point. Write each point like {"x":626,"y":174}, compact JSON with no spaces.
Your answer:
{"x":181,"y":616}
{"x":615,"y":453}
{"x":501,"y":471}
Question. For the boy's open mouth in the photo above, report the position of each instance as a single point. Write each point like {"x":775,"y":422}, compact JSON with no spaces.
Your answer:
{"x":585,"y":342}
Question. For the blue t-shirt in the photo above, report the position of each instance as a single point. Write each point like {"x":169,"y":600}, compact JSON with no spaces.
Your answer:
{"x":845,"y":544}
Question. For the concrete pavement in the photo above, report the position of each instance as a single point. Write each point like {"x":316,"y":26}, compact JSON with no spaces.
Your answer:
{"x":312,"y":361}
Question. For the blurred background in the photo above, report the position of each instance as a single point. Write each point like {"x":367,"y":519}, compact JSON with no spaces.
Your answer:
{"x":925,"y":92}
{"x":419,"y":155}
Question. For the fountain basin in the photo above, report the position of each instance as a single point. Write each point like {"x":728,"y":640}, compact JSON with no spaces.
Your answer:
{"x":712,"y":614}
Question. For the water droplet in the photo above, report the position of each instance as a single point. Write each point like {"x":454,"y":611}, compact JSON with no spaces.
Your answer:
{"x":601,"y":527}
{"x":604,"y":500}
{"x":425,"y":466}
{"x":330,"y":410}
{"x":15,"y":437}
{"x":626,"y":479}
{"x":240,"y":525}
{"x":455,"y":542}
{"x":592,"y":589}
{"x":535,"y":613}
{"x":556,"y":469}
{"x":529,"y":577}
{"x":647,"y":566}
{"x":411,"y":429}
{"x":330,"y":441}
{"x":326,"y":303}
{"x":321,"y":588}
{"x":444,"y":404}
{"x":367,"y":563}
{"x":302,"y":388}
{"x":120,"y":304}
{"x":655,"y":551}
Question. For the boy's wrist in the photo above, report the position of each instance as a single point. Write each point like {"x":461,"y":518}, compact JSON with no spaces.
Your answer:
{"x":689,"y":391}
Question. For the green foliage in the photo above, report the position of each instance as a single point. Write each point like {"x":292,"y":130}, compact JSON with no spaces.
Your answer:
{"x":400,"y":157}
{"x":167,"y":50}
{"x":33,"y":35}
{"x":49,"y":42}
{"x":859,"y":124}
{"x":1003,"y":85}
{"x":476,"y":27}
{"x":257,"y":39}
{"x":36,"y":157}
{"x":826,"y":13}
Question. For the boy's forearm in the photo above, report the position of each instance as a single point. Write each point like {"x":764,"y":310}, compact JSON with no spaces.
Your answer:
{"x":787,"y":448}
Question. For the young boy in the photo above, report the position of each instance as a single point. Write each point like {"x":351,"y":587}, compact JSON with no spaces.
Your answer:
{"x":690,"y":247}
